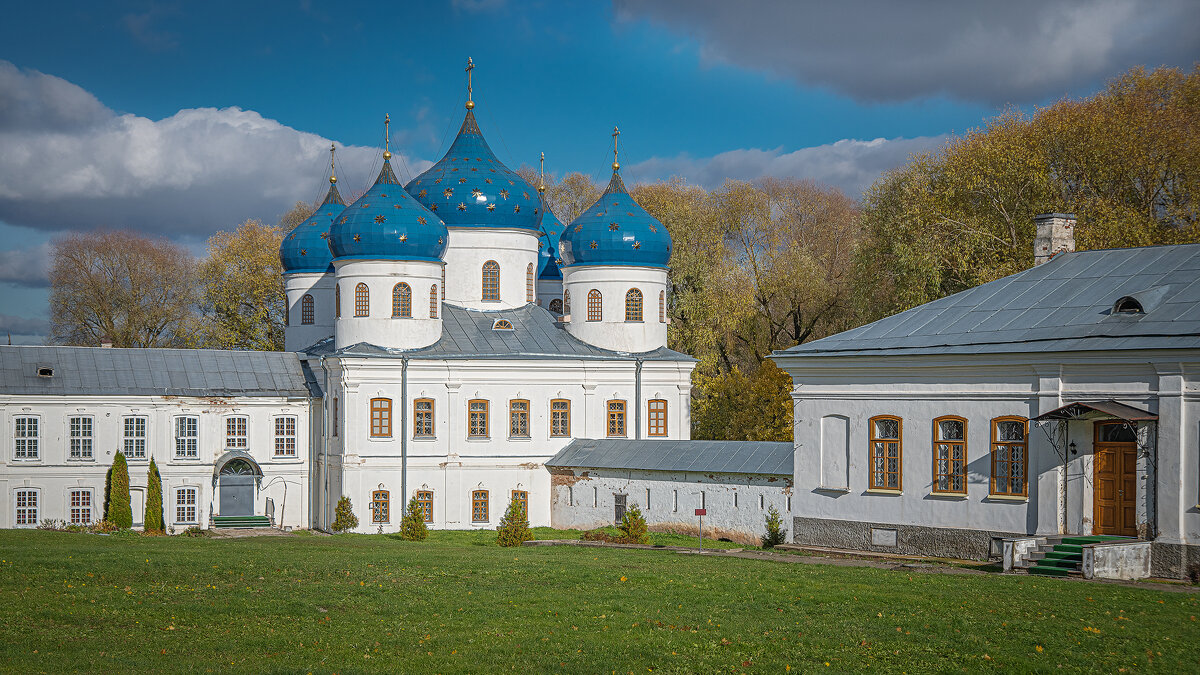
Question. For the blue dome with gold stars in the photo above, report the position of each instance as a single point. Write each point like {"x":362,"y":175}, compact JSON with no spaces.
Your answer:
{"x":305,"y":249}
{"x":552,"y":229}
{"x":386,"y":223}
{"x":469,"y":187}
{"x":615,"y":231}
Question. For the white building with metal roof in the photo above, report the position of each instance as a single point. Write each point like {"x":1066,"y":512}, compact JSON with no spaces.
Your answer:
{"x":1062,"y":401}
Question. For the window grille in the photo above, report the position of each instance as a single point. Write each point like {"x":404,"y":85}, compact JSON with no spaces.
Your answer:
{"x":633,"y":305}
{"x":1009,"y":456}
{"x":491,"y":281}
{"x":433,"y":301}
{"x":423,"y":417}
{"x":307,"y":313}
{"x":950,"y":453}
{"x":362,"y":297}
{"x":402,"y":301}
{"x":595,"y":307}
{"x":380,"y":505}
{"x":477,"y":418}
{"x":560,"y":417}
{"x":885,"y":451}
{"x":425,"y":503}
{"x":616,"y":418}
{"x":479,"y":506}
{"x":529,"y":282}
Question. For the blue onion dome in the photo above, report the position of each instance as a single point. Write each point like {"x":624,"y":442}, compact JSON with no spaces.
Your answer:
{"x":615,"y":231}
{"x":552,"y":229}
{"x":305,"y":249}
{"x":469,"y":187}
{"x":386,"y":223}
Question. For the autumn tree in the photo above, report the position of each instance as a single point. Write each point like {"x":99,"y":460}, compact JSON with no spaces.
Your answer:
{"x":242,"y":301}
{"x":131,"y":289}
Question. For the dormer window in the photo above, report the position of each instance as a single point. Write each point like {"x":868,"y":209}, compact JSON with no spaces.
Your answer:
{"x":502,"y":324}
{"x":1128,"y":305}
{"x":45,"y":371}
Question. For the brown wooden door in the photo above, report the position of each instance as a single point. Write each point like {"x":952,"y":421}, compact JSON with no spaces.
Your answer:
{"x":1115,"y":480}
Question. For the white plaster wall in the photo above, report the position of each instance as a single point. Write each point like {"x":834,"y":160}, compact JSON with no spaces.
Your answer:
{"x":380,"y":327}
{"x":54,"y":474}
{"x":613,"y":282}
{"x":297,"y":336}
{"x":980,"y":388}
{"x":547,"y":290}
{"x":585,"y":499}
{"x":514,"y":249}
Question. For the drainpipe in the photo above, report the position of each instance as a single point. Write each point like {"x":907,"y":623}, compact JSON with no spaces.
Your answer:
{"x":325,"y":450}
{"x":403,"y":435}
{"x":637,"y":401}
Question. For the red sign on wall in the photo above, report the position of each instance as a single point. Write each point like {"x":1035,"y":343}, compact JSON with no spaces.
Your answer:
{"x":702,"y":512}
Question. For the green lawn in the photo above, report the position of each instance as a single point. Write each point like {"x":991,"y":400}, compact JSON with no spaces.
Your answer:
{"x":458,"y":603}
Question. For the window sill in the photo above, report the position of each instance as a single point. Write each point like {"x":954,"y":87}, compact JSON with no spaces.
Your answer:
{"x":884,"y":491}
{"x":520,"y":438}
{"x":1007,"y":498}
{"x":401,"y":317}
{"x":628,"y":321}
{"x":478,"y":439}
{"x":949,"y":496}
{"x":185,"y":459}
{"x":80,"y":460}
{"x":424,"y":439}
{"x":286,"y":459}
{"x":560,"y":435}
{"x":841,"y":490}
{"x":379,"y":438}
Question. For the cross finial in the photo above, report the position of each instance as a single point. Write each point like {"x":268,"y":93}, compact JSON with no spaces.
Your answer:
{"x":332,"y":177}
{"x":470,"y":67}
{"x":387,"y":139}
{"x":616,"y":165}
{"x":542,"y":174}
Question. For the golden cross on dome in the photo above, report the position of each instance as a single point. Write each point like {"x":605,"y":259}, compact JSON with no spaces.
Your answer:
{"x":616,"y":165}
{"x":332,"y":177}
{"x":387,"y":140}
{"x":542,"y":174}
{"x":470,"y":67}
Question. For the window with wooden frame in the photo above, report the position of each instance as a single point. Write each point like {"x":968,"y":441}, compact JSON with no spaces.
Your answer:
{"x":529,"y":282}
{"x":885,"y":453}
{"x":633,"y":305}
{"x":380,"y":506}
{"x":662,"y":306}
{"x":337,"y":301}
{"x":1010,"y":445}
{"x":133,"y":442}
{"x":187,"y":437}
{"x":307,"y":311}
{"x":616,"y":418}
{"x":491,"y":281}
{"x":521,"y":497}
{"x":362,"y":300}
{"x":285,"y":436}
{"x":81,"y":507}
{"x":381,"y":418}
{"x":433,"y":302}
{"x":81,"y":438}
{"x":479,"y":506}
{"x":425,"y":504}
{"x":443,"y":296}
{"x":657,"y":409}
{"x":518,"y":414}
{"x":950,"y":455}
{"x":566,"y":302}
{"x":560,"y":417}
{"x":401,"y":301}
{"x":477,"y":418}
{"x":595,"y":306}
{"x":423,"y":418}
{"x":185,"y":505}
{"x":236,"y":436}
{"x":27,"y":507}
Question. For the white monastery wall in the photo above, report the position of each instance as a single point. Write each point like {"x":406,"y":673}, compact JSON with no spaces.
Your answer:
{"x":613,"y":282}
{"x":380,"y":327}
{"x":514,"y":249}
{"x":298,"y":335}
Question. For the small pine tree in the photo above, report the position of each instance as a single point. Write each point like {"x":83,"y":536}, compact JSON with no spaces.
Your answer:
{"x":514,"y":526}
{"x":119,"y":511}
{"x":343,"y":516}
{"x":633,"y":526}
{"x":412,"y":526}
{"x":154,"y":500}
{"x":776,"y":532}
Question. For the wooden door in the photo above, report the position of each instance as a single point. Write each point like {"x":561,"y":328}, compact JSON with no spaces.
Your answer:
{"x":1115,"y":480}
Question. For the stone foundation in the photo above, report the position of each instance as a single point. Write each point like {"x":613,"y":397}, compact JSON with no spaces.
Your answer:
{"x":1174,"y":561}
{"x":938,"y":542}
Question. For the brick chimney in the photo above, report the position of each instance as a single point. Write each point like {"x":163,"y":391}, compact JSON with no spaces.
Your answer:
{"x":1055,"y":234}
{"x":106,"y":342}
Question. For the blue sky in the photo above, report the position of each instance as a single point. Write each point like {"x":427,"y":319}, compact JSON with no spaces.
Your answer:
{"x":180,"y":119}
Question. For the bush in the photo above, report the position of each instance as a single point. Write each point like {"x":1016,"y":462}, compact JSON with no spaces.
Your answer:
{"x":343,"y":516}
{"x":195,"y":531}
{"x":776,"y":532}
{"x":117,"y":508}
{"x":633,"y":526}
{"x":514,"y":526}
{"x":104,"y":527}
{"x":154,"y":501}
{"x":412,"y":526}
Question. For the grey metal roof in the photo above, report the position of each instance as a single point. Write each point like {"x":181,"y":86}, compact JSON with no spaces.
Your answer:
{"x":756,"y":457}
{"x":97,"y":371}
{"x":467,"y":333}
{"x":1063,"y":305}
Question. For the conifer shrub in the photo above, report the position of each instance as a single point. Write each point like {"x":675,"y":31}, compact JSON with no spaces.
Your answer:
{"x":154,"y":501}
{"x":412,"y":526}
{"x":633,"y":526}
{"x":776,"y":532}
{"x":514,"y":526}
{"x":118,"y":510}
{"x":343,"y":516}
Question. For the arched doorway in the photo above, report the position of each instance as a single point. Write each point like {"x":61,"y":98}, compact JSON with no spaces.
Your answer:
{"x":237,"y":476}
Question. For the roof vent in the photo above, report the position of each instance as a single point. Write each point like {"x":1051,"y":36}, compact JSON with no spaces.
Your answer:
{"x":45,"y":371}
{"x":502,"y":324}
{"x":1128,"y":305}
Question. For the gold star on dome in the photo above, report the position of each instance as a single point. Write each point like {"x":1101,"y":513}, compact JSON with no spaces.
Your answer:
{"x":404,"y":237}
{"x":462,"y":206}
{"x":292,"y":235}
{"x":504,"y":194}
{"x":303,"y":251}
{"x":474,"y":168}
{"x":382,"y":195}
{"x":366,"y":206}
{"x":637,"y":244}
{"x":421,"y":220}
{"x":396,"y":206}
{"x":433,"y":207}
{"x":462,"y":180}
{"x":517,"y":208}
{"x":325,"y":235}
{"x":380,"y":219}
{"x":492,"y":170}
{"x":511,"y":182}
{"x":578,"y":228}
{"x":476,"y":192}
{"x":653,"y":228}
{"x":614,"y":227}
{"x":439,"y":240}
{"x":454,"y":169}
{"x":422,"y":194}
{"x":535,"y":211}
{"x":491,"y":207}
{"x":342,"y":220}
{"x":448,"y":192}
{"x":593,"y":244}
{"x":629,"y":213}
{"x":358,"y":237}
{"x":525,"y":195}
{"x":437,"y":181}
{"x":488,"y":181}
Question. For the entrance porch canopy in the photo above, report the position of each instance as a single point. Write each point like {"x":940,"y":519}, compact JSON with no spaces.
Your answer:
{"x":1098,"y":410}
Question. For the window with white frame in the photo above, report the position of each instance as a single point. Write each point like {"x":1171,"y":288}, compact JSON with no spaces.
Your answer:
{"x":235,"y":433}
{"x":27,"y":508}
{"x":81,"y":506}
{"x":133,"y":444}
{"x":80,"y":442}
{"x":187,"y":437}
{"x":185,"y":505}
{"x":285,"y":436}
{"x":26,"y":434}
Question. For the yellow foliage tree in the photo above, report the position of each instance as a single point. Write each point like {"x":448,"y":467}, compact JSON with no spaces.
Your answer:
{"x":242,"y":300}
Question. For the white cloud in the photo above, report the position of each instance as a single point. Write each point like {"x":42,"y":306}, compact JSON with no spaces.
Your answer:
{"x":26,"y":266}
{"x":849,"y":164}
{"x":1016,"y":51}
{"x":190,"y":174}
{"x":21,"y":325}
